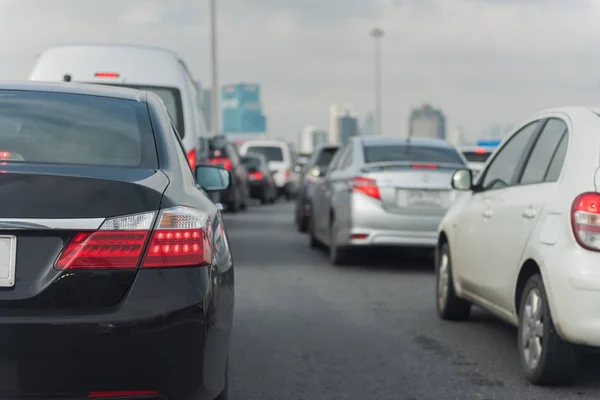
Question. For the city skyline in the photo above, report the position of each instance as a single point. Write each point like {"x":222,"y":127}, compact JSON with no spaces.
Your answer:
{"x":483,"y":61}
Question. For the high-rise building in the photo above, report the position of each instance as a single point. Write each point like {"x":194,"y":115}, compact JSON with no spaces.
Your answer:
{"x":457,"y":137}
{"x":343,"y":123}
{"x":427,"y":122}
{"x":242,"y":109}
{"x":496,"y":131}
{"x":310,"y":138}
{"x":368,"y":127}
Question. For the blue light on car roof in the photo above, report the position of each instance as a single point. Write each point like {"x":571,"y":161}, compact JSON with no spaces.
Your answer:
{"x":488,"y":143}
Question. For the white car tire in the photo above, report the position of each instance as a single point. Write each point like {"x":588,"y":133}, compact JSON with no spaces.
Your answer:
{"x":449,"y":306}
{"x":546,"y":358}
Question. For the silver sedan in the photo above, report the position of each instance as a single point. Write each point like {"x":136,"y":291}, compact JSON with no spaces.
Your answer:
{"x":383,"y":192}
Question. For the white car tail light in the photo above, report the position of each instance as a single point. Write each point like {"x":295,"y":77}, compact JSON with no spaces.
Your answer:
{"x":179,"y":239}
{"x":585,"y":220}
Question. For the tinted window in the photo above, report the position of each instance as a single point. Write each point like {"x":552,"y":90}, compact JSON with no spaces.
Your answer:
{"x":557,"y":160}
{"x":271,"y":153}
{"x":411,"y":153}
{"x":218,"y":148}
{"x":473,"y":156}
{"x":251,"y":163}
{"x":325,"y":157}
{"x":501,"y":171}
{"x":545,"y":146}
{"x":336,"y":159}
{"x":171,"y":97}
{"x":75,"y":129}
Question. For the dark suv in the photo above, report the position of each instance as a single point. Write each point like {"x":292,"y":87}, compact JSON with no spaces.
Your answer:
{"x":313,"y":172}
{"x":224,"y":152}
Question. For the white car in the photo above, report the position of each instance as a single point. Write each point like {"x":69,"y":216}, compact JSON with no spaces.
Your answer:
{"x":280,"y":157}
{"x":476,"y":156}
{"x":523,"y":241}
{"x":140,"y":67}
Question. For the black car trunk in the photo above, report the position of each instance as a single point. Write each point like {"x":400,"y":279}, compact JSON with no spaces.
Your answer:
{"x":42,"y":207}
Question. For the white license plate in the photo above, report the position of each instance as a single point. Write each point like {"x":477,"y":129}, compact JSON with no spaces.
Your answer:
{"x":8,"y":257}
{"x":424,"y":198}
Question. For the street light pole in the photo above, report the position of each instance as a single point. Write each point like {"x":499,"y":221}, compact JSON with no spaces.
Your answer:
{"x":214,"y":94}
{"x":377,"y":34}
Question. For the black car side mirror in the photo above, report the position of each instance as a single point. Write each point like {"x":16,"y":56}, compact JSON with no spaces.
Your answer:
{"x":213,"y":179}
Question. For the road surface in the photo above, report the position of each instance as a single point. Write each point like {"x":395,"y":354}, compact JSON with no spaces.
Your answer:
{"x":305,"y":329}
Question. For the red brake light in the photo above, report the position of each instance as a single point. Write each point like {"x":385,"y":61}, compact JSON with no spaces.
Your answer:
{"x":287,"y":173}
{"x":365,"y":186}
{"x":480,"y":150}
{"x":5,"y":154}
{"x":225,"y":162}
{"x":585,"y":220}
{"x":425,"y":166}
{"x":179,"y":239}
{"x":122,"y":393}
{"x":256,"y":176}
{"x":191,"y":155}
{"x":107,"y":75}
{"x":103,"y":249}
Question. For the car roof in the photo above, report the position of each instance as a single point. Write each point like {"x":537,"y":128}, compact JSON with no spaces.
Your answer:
{"x":390,"y":141}
{"x":75,"y":88}
{"x":115,"y":46}
{"x":266,"y":143}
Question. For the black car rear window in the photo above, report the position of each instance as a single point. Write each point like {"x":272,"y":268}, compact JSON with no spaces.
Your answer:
{"x":473,"y":156}
{"x":63,"y":128}
{"x":411,"y":153}
{"x":325,"y":157}
{"x":252,"y":163}
{"x":218,"y":148}
{"x":271,"y":153}
{"x":171,"y":97}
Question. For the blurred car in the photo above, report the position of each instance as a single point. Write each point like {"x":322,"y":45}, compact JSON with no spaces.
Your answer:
{"x":116,"y":277}
{"x":314,"y":171}
{"x":262,"y":184}
{"x":141,"y":67}
{"x":225,"y":153}
{"x":523,"y":242}
{"x":280,"y":157}
{"x":383,"y":192}
{"x":476,"y":157}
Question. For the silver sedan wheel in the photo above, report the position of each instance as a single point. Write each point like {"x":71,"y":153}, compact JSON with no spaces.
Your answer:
{"x":532,"y":334}
{"x":443,"y":280}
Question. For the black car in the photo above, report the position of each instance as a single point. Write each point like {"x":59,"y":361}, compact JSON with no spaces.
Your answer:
{"x":314,"y":170}
{"x":116,"y":277}
{"x":224,"y":153}
{"x":262,"y":184}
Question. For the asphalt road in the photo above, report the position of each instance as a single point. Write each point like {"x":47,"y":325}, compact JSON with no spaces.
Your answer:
{"x":305,"y":329}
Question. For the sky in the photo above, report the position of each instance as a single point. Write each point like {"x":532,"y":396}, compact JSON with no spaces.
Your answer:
{"x":482,"y":62}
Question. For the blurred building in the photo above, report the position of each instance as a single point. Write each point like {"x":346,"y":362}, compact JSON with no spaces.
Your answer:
{"x":427,"y":122}
{"x":242,"y":109}
{"x":457,"y":137}
{"x":368,"y":127}
{"x":496,"y":131}
{"x":343,"y":123}
{"x":310,"y":138}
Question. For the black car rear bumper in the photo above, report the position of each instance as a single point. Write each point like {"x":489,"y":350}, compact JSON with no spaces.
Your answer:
{"x":257,"y":189}
{"x":156,"y":342}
